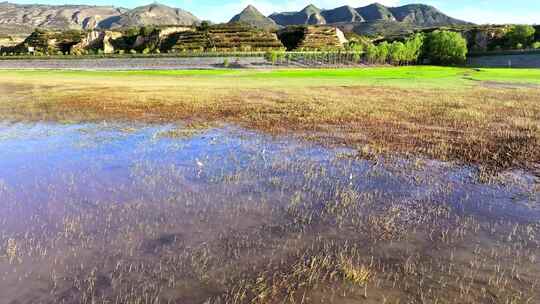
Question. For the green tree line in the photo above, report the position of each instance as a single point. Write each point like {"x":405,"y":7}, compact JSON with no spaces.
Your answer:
{"x":521,"y":36}
{"x":438,"y":47}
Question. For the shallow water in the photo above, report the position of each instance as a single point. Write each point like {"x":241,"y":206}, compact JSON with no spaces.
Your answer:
{"x":134,"y":213}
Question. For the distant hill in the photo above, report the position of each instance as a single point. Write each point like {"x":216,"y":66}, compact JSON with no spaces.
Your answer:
{"x":251,"y":16}
{"x":369,"y":19}
{"x":22,"y":19}
{"x":342,"y":14}
{"x":376,"y":11}
{"x":310,"y":15}
{"x":154,"y":14}
{"x":424,"y":15}
{"x":55,"y":16}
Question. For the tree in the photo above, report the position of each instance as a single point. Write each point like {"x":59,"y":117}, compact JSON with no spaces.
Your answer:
{"x":146,"y":31}
{"x":204,"y":26}
{"x":413,"y":48}
{"x":396,"y":52}
{"x":357,"y":57}
{"x":354,"y":45}
{"x":371,"y":53}
{"x":133,"y":31}
{"x":520,"y":34}
{"x":445,"y":47}
{"x":382,"y":52}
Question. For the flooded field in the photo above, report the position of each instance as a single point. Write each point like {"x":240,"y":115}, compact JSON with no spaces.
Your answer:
{"x":214,"y":213}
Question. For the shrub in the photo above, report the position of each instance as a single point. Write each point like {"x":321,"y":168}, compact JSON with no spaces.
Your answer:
{"x":274,"y":57}
{"x":445,"y":47}
{"x":226,"y":63}
{"x":536,"y":45}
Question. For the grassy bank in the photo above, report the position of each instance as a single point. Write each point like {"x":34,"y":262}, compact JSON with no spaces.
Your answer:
{"x":489,"y":117}
{"x":410,"y":76}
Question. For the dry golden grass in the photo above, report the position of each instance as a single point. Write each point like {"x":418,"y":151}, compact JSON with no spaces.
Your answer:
{"x":498,"y":128}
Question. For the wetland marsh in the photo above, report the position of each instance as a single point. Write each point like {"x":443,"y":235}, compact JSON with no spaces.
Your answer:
{"x":405,"y":185}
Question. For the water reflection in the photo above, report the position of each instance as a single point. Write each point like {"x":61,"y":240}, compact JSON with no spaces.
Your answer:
{"x":84,"y":200}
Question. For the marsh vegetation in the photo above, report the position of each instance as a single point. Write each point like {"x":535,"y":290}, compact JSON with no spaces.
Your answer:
{"x":237,"y":187}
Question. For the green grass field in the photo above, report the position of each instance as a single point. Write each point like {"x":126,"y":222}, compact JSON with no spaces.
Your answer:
{"x":414,"y":76}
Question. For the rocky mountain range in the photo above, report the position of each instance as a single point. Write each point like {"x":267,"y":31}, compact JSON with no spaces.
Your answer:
{"x":22,"y":19}
{"x":373,"y":19}
{"x":418,"y":14}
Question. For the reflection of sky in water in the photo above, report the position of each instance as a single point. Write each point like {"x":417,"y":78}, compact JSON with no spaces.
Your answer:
{"x":44,"y":164}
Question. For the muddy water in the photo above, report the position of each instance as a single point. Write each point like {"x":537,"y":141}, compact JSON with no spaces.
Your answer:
{"x":132,"y":213}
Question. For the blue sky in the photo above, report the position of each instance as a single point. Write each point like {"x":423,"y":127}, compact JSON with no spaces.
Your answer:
{"x":478,"y":11}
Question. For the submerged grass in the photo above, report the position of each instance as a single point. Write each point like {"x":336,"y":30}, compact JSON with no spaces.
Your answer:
{"x":238,"y":217}
{"x":195,"y":216}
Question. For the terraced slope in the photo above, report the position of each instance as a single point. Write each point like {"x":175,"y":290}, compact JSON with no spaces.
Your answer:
{"x":46,"y":42}
{"x":311,"y":38}
{"x":226,"y":37}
